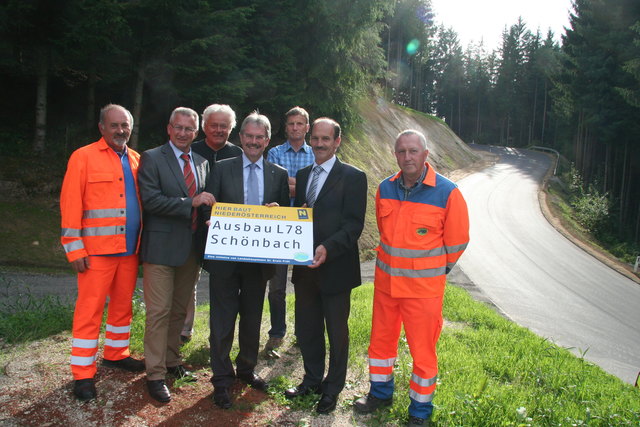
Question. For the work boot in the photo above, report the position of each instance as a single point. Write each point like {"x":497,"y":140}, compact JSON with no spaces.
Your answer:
{"x":85,"y":389}
{"x":127,"y":364}
{"x":417,"y":422}
{"x":369,"y":403}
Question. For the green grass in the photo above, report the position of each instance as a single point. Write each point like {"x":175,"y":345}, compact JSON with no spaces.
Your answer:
{"x":30,"y":234}
{"x":24,"y":317}
{"x":492,"y":371}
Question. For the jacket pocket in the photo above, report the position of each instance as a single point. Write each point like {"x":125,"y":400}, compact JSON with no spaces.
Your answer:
{"x":100,"y":177}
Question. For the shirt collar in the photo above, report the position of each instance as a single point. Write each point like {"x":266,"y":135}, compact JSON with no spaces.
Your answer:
{"x":428,"y":177}
{"x":246,"y":162}
{"x":305,"y":147}
{"x":328,"y":165}
{"x":122,"y":153}
{"x":179,"y":152}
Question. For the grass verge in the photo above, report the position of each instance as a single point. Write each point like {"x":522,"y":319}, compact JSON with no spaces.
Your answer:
{"x":24,"y":317}
{"x":492,"y":371}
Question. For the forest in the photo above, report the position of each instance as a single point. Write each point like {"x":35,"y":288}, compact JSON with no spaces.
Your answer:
{"x":576,"y":92}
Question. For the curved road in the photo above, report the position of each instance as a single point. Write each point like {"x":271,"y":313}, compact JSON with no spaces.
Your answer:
{"x":540,"y":279}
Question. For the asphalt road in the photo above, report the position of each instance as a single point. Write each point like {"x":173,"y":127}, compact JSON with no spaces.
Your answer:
{"x":537,"y":277}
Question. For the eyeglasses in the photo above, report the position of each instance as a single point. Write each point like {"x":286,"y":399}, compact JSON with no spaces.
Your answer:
{"x":250,"y":137}
{"x":182,"y":128}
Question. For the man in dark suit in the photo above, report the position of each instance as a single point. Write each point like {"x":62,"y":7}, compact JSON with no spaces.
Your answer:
{"x":337,"y":192}
{"x":171,"y":180}
{"x":237,"y":288}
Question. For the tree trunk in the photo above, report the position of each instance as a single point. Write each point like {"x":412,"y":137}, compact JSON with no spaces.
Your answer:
{"x":478,"y":119}
{"x":41,"y":102}
{"x":90,"y":121}
{"x":459,"y":109}
{"x":637,"y":238}
{"x":623,"y":189}
{"x":137,"y":105}
{"x":607,"y":160}
{"x":411,"y":73}
{"x":535,"y":107}
{"x":544,"y":113}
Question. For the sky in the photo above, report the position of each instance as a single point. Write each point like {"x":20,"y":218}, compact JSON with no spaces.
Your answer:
{"x":474,"y":20}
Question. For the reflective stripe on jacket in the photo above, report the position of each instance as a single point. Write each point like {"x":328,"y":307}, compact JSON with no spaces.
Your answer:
{"x":93,"y":202}
{"x":421,"y":238}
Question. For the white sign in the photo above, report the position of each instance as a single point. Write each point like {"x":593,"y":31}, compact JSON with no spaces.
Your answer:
{"x":250,"y":233}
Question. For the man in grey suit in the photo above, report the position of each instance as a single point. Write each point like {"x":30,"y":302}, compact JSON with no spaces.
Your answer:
{"x":171,"y":180}
{"x":237,"y":288}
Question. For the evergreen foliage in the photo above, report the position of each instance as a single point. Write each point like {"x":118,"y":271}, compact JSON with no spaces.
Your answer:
{"x":61,"y":61}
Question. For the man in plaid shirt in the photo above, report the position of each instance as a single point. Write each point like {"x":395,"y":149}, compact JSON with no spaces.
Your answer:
{"x":293,"y":155}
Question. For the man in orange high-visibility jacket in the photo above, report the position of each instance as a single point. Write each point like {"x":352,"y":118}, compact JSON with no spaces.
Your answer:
{"x":100,"y":232}
{"x":424,"y":228}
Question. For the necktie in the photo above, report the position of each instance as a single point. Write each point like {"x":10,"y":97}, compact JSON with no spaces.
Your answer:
{"x":311,"y":193}
{"x":252,"y":186}
{"x":190,"y":181}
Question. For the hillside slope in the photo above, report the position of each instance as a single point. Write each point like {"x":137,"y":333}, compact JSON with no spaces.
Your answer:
{"x":370,"y":148}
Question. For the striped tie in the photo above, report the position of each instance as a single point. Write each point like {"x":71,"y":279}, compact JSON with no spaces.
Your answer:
{"x":190,"y":181}
{"x":311,"y":193}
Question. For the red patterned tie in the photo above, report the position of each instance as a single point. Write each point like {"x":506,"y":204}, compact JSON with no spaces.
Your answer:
{"x":190,"y":180}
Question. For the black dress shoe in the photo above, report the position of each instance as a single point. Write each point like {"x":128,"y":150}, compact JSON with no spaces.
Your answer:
{"x":180,"y":372}
{"x":185,"y":338}
{"x":327,"y":403}
{"x":127,"y":364}
{"x":301,"y":390}
{"x":221,"y":397}
{"x":85,"y":390}
{"x":159,"y":391}
{"x":254,"y":381}
{"x":370,"y":403}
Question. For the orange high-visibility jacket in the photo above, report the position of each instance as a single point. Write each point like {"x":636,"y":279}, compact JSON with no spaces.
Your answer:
{"x":93,"y":202}
{"x":421,"y":238}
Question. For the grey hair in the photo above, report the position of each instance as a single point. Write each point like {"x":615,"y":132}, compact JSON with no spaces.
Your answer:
{"x":219,"y":108}
{"x":104,"y":110}
{"x":423,"y":139}
{"x":185,"y":112}
{"x":259,"y":119}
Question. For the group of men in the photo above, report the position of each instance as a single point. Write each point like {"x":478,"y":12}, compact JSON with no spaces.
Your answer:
{"x":120,"y":209}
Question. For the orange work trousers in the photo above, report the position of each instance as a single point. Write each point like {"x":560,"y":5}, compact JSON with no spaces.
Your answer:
{"x":113,"y":277}
{"x":422,"y":319}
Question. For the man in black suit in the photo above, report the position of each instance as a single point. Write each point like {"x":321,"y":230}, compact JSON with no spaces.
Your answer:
{"x":171,"y":180}
{"x":337,"y":192}
{"x":238,"y":288}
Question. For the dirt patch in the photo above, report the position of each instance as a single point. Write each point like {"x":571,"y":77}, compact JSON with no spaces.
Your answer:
{"x":36,"y":389}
